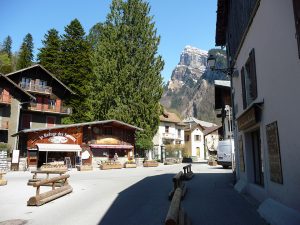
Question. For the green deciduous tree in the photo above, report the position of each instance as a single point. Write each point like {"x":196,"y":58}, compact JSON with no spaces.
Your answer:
{"x":76,"y":71}
{"x":49,"y":55}
{"x":127,"y":68}
{"x":26,"y":53}
{"x":5,"y":63}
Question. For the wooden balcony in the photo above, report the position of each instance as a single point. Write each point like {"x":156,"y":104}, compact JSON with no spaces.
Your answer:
{"x":5,"y":99}
{"x":3,"y":125}
{"x":46,"y":90}
{"x":49,"y":108}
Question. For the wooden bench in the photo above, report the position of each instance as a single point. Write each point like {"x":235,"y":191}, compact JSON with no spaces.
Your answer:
{"x":178,"y":183}
{"x":176,"y":214}
{"x":188,"y":174}
{"x":40,"y":199}
{"x":2,"y":180}
{"x":47,"y":173}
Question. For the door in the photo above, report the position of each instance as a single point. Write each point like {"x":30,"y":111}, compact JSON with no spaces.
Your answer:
{"x":198,"y":151}
{"x":257,"y":158}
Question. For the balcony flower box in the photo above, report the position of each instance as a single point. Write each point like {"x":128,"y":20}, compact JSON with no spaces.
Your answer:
{"x":150,"y":163}
{"x":110,"y":165}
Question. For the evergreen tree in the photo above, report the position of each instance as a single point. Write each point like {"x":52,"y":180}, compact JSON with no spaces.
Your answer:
{"x":49,"y":54}
{"x":94,"y":35}
{"x":26,"y":53}
{"x":5,"y":63}
{"x":76,"y":71}
{"x":127,"y":68}
{"x":6,"y":46}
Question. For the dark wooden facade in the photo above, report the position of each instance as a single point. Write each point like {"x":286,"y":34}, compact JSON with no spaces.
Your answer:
{"x":102,"y":139}
{"x":233,"y":20}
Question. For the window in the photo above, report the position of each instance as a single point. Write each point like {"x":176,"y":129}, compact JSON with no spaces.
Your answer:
{"x":50,"y":121}
{"x":297,"y":22}
{"x":187,"y":138}
{"x":179,"y":133}
{"x":257,"y":158}
{"x":166,"y":129}
{"x":26,"y":121}
{"x":197,"y":138}
{"x":248,"y":79}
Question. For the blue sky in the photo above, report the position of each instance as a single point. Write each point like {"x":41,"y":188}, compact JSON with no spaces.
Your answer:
{"x":178,"y":22}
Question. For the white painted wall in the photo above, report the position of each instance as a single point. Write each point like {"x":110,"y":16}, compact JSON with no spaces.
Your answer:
{"x":160,"y":135}
{"x":197,"y":144}
{"x":272,"y":35}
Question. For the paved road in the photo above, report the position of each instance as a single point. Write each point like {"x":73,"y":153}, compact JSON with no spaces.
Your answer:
{"x":129,"y":197}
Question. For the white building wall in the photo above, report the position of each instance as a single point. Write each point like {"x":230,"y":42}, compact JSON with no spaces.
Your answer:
{"x":197,"y":144}
{"x":272,"y":35}
{"x":161,"y":136}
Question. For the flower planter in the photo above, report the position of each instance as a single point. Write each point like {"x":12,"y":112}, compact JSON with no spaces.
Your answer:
{"x":130,"y":165}
{"x":111,"y":166}
{"x":212,"y":163}
{"x":54,"y":168}
{"x":150,"y":164}
{"x":84,"y":167}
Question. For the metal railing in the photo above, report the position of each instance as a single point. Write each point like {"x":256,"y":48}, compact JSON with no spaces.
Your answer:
{"x":49,"y":108}
{"x":36,"y":88}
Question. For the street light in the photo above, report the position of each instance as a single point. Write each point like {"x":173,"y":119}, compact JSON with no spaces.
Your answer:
{"x":211,"y":62}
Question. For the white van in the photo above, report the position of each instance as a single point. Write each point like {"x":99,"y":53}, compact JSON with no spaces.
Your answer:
{"x":225,"y":152}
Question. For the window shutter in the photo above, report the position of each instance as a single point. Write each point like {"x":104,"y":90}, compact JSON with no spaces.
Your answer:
{"x":253,"y":85}
{"x":243,"y":88}
{"x":296,"y":4}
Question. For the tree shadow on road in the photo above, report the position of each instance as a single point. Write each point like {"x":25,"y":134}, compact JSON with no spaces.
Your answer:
{"x":144,"y":203}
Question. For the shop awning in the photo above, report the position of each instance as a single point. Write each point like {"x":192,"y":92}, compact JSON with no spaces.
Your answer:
{"x":112,"y":146}
{"x":58,"y":148}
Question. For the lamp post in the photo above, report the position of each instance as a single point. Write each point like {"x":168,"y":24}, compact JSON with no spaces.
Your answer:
{"x":162,"y":153}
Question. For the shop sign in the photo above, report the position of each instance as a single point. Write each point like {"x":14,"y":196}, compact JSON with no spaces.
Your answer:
{"x":57,"y":137}
{"x":247,"y":120}
{"x":274,"y":153}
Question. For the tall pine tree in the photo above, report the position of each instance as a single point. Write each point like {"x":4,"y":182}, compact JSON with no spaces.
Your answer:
{"x":127,"y":67}
{"x":6,"y":56}
{"x":6,"y":46}
{"x":49,"y":55}
{"x":76,"y":71}
{"x":25,"y":53}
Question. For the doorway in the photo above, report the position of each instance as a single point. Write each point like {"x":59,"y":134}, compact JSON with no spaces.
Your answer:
{"x":257,"y":158}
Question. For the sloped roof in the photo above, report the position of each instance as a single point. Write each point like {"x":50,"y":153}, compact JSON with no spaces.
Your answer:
{"x":2,"y":76}
{"x":43,"y":68}
{"x":115,"y":122}
{"x":169,"y":117}
{"x":211,"y":129}
{"x":201,"y":122}
{"x":193,"y":127}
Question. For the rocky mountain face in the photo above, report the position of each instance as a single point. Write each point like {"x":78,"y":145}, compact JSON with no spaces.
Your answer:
{"x":190,"y":91}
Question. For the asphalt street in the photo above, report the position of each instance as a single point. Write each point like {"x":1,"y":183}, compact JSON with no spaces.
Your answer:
{"x":130,"y":197}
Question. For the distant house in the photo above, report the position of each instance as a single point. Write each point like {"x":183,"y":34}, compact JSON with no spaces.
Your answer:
{"x":262,"y":40}
{"x":223,"y":106}
{"x":11,"y":99}
{"x":194,"y":137}
{"x":212,"y":136}
{"x":170,"y":133}
{"x":47,"y":107}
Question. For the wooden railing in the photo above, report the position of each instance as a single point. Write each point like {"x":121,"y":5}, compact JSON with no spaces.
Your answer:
{"x":188,"y":174}
{"x":36,"y":88}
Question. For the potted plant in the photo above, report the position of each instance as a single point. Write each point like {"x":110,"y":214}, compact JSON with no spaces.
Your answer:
{"x":130,"y":164}
{"x":107,"y":165}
